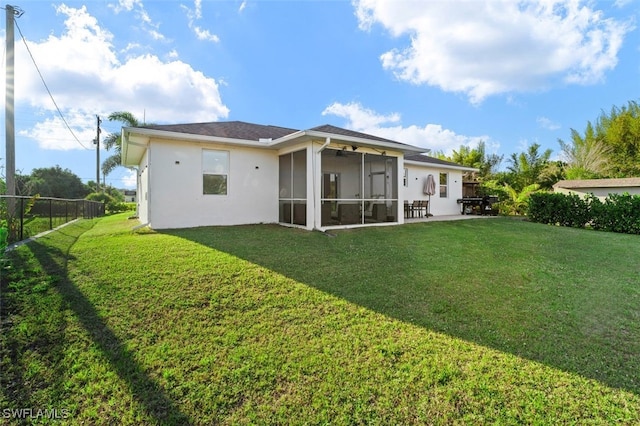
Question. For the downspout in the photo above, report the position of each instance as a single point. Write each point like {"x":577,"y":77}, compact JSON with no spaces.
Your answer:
{"x":324,"y":145}
{"x":318,"y":209}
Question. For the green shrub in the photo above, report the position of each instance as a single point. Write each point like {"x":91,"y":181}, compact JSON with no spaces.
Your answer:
{"x":4,"y":239}
{"x":110,"y":203}
{"x":618,"y":213}
{"x":118,"y":207}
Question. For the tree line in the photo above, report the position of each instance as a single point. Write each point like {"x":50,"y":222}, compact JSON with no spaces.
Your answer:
{"x":608,"y":147}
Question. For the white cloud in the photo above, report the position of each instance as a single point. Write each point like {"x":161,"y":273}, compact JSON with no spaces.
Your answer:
{"x":168,"y":91}
{"x":205,"y":35}
{"x":198,"y":10}
{"x":358,"y":116}
{"x":125,"y":5}
{"x":622,"y":3}
{"x":547,"y":123}
{"x":131,"y":46}
{"x":146,"y":23}
{"x":243,"y":6}
{"x":52,"y":133}
{"x":431,"y":136}
{"x":484,"y":48}
{"x":129,"y":180}
{"x":194,"y":15}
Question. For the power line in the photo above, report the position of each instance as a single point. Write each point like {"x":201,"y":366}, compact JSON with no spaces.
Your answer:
{"x":47,"y":87}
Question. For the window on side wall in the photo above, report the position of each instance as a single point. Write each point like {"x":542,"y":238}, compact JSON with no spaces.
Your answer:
{"x":215,"y":171}
{"x":406,"y":177}
{"x":444,"y":185}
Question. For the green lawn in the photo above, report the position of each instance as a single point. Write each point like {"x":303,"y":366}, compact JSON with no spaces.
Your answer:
{"x":478,"y":321}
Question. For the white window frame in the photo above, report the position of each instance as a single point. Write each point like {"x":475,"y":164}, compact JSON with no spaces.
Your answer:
{"x":444,"y":185}
{"x":221,"y":169}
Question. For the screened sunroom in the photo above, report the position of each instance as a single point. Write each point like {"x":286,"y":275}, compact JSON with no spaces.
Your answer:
{"x":358,"y":188}
{"x":355,"y":187}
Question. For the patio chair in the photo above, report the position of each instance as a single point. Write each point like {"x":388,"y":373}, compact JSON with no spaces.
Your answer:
{"x":425,"y":206}
{"x":416,"y":207}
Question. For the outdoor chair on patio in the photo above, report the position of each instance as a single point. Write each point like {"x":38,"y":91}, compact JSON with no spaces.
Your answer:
{"x":425,"y":206}
{"x":416,"y":208}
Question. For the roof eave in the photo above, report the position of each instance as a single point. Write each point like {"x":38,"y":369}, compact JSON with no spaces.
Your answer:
{"x":146,"y":134}
{"x":441,"y":166}
{"x":313,"y":134}
{"x":301,"y":135}
{"x":165,"y":134}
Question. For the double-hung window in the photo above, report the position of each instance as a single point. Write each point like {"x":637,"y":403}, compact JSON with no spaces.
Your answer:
{"x":215,"y":171}
{"x":444,"y":184}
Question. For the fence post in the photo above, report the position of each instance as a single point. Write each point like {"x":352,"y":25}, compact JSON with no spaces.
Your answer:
{"x":50,"y":214}
{"x":21,"y":219}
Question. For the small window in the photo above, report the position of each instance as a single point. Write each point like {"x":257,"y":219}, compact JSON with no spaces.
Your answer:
{"x":406,"y":177}
{"x":444,"y":179}
{"x":215,"y":172}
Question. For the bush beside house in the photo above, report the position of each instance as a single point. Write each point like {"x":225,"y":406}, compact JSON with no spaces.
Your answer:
{"x":617,"y":213}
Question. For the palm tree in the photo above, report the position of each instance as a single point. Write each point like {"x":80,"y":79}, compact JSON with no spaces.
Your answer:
{"x":516,"y":203}
{"x":114,"y":140}
{"x":527,"y":166}
{"x":474,"y":157}
{"x":587,"y":156}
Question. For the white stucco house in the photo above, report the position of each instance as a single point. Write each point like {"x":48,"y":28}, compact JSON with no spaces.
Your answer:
{"x":601,"y":188}
{"x":233,"y":173}
{"x":129,"y":195}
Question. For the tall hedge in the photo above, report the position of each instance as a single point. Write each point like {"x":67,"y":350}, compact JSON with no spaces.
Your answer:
{"x":618,"y":212}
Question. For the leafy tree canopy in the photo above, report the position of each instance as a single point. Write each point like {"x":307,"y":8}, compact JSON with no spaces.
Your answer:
{"x":620,"y":129}
{"x":609,"y":147}
{"x":527,"y":167}
{"x":52,"y":182}
{"x":474,"y":157}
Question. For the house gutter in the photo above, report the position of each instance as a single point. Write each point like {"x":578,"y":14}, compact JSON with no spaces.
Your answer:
{"x":192,"y":137}
{"x":390,"y":145}
{"x":324,"y":145}
{"x":440,"y":166}
{"x":369,"y":142}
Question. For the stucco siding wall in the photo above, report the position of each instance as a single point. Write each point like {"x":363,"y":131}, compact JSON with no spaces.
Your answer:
{"x":177,"y":199}
{"x":438,"y":206}
{"x":143,"y":189}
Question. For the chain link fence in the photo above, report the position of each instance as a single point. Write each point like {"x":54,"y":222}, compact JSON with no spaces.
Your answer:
{"x":24,"y":217}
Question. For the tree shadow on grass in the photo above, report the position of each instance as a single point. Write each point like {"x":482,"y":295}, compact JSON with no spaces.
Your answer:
{"x":374,"y":268}
{"x":148,"y":393}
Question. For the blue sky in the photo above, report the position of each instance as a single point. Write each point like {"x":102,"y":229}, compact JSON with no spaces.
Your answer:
{"x":436,"y":74}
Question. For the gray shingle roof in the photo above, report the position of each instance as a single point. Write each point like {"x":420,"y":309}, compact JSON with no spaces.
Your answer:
{"x":431,"y":160}
{"x":255,"y":132}
{"x":598,"y":183}
{"x":227,"y":129}
{"x":327,"y":128}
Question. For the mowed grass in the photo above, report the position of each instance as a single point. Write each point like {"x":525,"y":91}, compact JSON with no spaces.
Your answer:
{"x":480,"y":321}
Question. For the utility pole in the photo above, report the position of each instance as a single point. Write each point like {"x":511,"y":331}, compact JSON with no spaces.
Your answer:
{"x":97,"y":141}
{"x":9,"y":112}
